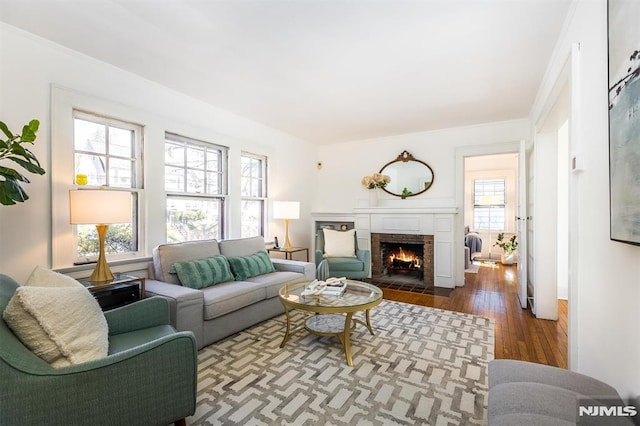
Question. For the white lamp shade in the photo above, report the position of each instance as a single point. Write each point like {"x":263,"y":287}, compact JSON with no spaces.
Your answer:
{"x":286,"y":209}
{"x":99,"y":206}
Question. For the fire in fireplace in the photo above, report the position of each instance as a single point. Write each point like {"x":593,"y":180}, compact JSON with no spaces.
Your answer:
{"x":403,"y":259}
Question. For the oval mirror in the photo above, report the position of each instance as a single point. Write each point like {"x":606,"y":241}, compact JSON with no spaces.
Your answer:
{"x":409,"y":177}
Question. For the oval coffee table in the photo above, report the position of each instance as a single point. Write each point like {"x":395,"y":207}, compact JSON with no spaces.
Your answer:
{"x":334,"y":314}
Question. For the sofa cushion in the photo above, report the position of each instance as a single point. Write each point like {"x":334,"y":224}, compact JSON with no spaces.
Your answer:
{"x":352,"y":264}
{"x":203,"y":273}
{"x":250,"y":266}
{"x":339,"y":243}
{"x":228,"y":297}
{"x":528,"y":419}
{"x":242,"y":247}
{"x":537,"y":399}
{"x":165,"y":255}
{"x":273,"y":282}
{"x":511,"y":371}
{"x":62,"y":325}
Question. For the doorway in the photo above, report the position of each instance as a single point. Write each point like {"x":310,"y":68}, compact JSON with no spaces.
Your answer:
{"x":513,"y":207}
{"x":491,"y":202}
{"x":555,"y":173}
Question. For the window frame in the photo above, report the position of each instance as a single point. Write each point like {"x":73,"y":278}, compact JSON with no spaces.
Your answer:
{"x":264,"y":188}
{"x":492,"y":207}
{"x":223,"y":185}
{"x":137,"y":180}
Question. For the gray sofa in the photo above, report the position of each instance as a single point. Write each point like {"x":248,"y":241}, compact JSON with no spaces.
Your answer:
{"x":525,"y":393}
{"x":223,"y":309}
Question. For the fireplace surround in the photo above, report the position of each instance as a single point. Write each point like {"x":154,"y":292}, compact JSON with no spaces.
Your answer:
{"x":407,"y":255}
{"x":439,"y":223}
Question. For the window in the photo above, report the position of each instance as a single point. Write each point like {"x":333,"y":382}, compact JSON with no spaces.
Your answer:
{"x":489,"y":204}
{"x":253,"y":193}
{"x":108,"y":152}
{"x":195,"y":182}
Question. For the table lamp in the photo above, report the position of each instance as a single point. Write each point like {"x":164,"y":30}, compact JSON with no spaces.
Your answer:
{"x":286,"y":210}
{"x":99,"y":207}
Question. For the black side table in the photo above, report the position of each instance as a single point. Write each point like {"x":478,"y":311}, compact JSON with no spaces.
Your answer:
{"x":120,"y":291}
{"x":288,"y":253}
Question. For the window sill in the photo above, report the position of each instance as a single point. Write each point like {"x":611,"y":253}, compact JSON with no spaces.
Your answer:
{"x":137,"y":264}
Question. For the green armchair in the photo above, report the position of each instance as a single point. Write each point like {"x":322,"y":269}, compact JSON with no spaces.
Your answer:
{"x":148,"y":378}
{"x":338,"y":266}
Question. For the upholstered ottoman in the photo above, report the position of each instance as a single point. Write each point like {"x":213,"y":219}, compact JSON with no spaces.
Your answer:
{"x":525,"y":393}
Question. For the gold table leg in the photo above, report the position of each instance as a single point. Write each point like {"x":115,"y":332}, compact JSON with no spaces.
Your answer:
{"x":344,"y":335}
{"x":287,"y":334}
{"x":368,"y":324}
{"x":344,"y":338}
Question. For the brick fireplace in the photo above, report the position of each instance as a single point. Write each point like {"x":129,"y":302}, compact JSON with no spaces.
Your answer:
{"x":432,"y":227}
{"x":403,"y":256}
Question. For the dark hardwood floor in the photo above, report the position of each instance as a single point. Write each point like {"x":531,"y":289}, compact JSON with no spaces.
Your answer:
{"x":492,"y":293}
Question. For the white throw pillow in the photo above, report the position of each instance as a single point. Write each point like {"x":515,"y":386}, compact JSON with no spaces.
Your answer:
{"x":339,"y":243}
{"x":43,"y":277}
{"x":62,"y":325}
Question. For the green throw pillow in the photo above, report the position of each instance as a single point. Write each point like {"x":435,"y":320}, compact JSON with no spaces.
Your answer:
{"x":203,"y":273}
{"x":249,"y":266}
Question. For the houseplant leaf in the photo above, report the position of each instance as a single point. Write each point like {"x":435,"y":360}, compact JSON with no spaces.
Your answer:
{"x":12,"y":174}
{"x":11,"y":191}
{"x":29,"y":131}
{"x":11,"y":149}
{"x":5,"y":130}
{"x":31,"y":167}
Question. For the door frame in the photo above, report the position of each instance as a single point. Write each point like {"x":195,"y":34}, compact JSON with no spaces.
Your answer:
{"x":568,"y":76}
{"x":476,"y":151}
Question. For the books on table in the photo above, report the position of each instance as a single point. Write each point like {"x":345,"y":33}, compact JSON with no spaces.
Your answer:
{"x":335,"y":286}
{"x":330,"y":287}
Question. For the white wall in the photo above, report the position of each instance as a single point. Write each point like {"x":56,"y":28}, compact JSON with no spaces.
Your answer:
{"x":344,"y":165}
{"x":30,"y":65}
{"x":605,"y":291}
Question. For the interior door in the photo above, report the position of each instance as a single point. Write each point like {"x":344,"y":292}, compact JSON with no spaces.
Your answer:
{"x":521,"y":221}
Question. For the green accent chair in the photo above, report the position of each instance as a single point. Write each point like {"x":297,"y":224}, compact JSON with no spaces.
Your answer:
{"x":349,"y":267}
{"x":148,"y":378}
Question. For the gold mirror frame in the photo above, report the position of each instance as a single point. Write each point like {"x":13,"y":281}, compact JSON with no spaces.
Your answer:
{"x":407,"y":179}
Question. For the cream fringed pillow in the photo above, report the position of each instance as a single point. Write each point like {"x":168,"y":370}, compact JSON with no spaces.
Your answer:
{"x":339,"y":243}
{"x":43,"y":277}
{"x":62,"y":325}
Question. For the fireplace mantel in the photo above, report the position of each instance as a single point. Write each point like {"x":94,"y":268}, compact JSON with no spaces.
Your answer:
{"x":438,"y":221}
{"x":416,"y":210}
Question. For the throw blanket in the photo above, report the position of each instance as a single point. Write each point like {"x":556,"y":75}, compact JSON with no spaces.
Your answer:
{"x":474,"y":242}
{"x":322,"y":272}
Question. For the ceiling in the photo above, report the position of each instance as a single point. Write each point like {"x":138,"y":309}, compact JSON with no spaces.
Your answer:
{"x":326,"y":71}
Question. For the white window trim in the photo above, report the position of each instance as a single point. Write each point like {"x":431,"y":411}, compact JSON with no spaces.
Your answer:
{"x":265,"y":188}
{"x":63,"y":104}
{"x":511,"y":201}
{"x":223,"y":196}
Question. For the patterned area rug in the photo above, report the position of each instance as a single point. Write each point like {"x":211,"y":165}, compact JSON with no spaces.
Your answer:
{"x":424,"y":366}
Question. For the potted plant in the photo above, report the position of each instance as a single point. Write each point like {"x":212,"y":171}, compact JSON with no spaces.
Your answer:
{"x":11,"y":149}
{"x":509,"y":247}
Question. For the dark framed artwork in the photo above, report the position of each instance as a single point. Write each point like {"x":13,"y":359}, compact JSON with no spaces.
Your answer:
{"x":624,"y":119}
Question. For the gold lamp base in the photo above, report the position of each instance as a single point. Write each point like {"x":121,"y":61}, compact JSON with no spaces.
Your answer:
{"x":102,"y":271}
{"x":287,"y":243}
